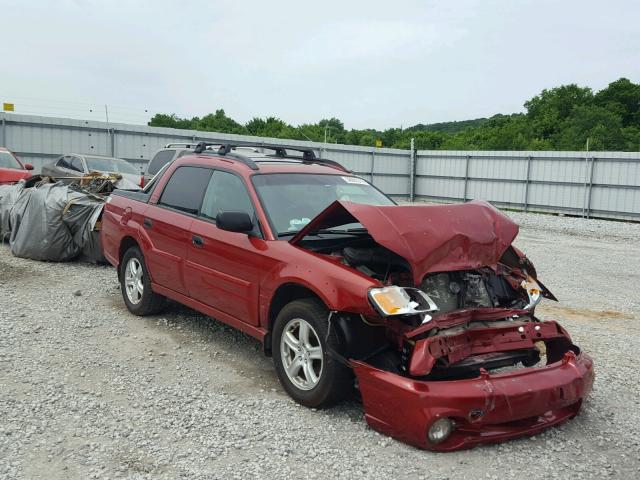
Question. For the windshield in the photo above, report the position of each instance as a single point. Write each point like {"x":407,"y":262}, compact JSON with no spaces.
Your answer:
{"x":106,"y":164}
{"x":291,"y":200}
{"x":8,"y":161}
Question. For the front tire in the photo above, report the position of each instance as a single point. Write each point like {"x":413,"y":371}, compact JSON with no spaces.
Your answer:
{"x":135,"y":284}
{"x":307,"y":372}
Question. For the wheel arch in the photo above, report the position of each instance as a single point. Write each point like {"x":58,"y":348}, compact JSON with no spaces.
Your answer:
{"x":125,"y":244}
{"x":285,"y":294}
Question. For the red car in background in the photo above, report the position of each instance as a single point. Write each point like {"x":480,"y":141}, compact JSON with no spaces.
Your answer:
{"x":428,"y":311}
{"x":11,"y":168}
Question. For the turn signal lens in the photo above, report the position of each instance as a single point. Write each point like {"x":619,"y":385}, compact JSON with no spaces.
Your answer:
{"x":391,"y":300}
{"x":440,"y":430}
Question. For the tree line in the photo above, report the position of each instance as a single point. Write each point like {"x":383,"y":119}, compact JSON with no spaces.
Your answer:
{"x":562,"y":118}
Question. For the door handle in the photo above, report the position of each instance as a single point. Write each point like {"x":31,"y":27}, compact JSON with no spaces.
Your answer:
{"x":197,"y":241}
{"x":147,"y":223}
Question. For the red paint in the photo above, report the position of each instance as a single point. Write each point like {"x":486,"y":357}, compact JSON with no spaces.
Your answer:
{"x":511,"y":405}
{"x":234,"y":277}
{"x":477,"y":341}
{"x":432,"y":238}
{"x":14,"y":175}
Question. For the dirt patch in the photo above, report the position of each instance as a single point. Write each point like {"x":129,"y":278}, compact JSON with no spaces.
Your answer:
{"x":582,"y":313}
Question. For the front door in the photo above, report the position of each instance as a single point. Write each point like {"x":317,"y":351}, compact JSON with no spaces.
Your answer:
{"x":223,"y":269}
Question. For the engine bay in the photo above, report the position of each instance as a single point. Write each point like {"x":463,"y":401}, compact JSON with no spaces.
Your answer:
{"x":476,"y":311}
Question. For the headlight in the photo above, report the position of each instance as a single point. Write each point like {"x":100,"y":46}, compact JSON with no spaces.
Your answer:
{"x":395,"y":300}
{"x":440,"y":430}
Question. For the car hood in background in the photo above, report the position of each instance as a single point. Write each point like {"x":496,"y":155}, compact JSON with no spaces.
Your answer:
{"x":12,"y":175}
{"x":432,"y":238}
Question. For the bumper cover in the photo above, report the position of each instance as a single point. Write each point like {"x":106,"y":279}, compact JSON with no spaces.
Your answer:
{"x":487,"y":409}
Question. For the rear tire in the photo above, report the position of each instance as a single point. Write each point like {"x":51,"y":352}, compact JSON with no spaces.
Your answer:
{"x":135,"y":284}
{"x":300,"y":346}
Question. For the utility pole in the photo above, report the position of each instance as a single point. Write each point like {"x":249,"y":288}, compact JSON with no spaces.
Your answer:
{"x":106,"y":112}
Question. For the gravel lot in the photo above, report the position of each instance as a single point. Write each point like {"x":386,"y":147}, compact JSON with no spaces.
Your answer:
{"x":88,"y":390}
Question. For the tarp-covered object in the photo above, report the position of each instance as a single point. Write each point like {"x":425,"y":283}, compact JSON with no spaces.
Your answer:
{"x":8,"y":196}
{"x":53,"y":222}
{"x":80,"y":216}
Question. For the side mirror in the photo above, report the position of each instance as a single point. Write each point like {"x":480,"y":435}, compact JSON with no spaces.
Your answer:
{"x":234,"y":222}
{"x":28,"y":166}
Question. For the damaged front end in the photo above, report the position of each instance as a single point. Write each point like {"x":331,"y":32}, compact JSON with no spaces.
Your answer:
{"x":455,"y":355}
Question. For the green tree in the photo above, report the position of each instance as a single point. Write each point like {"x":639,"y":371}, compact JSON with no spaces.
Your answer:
{"x":172,"y":121}
{"x":623,"y":97}
{"x":560,"y":118}
{"x":219,"y":122}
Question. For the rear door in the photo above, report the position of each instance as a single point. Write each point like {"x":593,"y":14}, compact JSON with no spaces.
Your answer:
{"x":167,"y":226}
{"x":223,"y":269}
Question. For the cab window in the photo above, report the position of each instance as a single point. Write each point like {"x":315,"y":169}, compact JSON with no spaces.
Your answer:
{"x":225,"y":193}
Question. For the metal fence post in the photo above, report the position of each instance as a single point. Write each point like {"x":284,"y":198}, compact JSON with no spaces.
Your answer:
{"x":593,"y":161}
{"x":585,"y":189}
{"x":112,"y":134}
{"x":526,"y":184}
{"x":466,"y":178}
{"x":412,"y":172}
{"x":373,"y":161}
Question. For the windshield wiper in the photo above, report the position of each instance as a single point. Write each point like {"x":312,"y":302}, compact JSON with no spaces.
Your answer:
{"x":344,"y":231}
{"x":287,"y":234}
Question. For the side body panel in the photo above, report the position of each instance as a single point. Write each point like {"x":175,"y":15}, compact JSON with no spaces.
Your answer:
{"x":167,"y":239}
{"x":225,"y":271}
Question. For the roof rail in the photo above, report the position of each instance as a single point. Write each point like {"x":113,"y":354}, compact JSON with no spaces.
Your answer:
{"x":280,"y":151}
{"x":179,"y":144}
{"x":225,"y":150}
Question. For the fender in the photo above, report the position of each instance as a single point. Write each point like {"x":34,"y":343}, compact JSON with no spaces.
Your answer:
{"x":338,"y":286}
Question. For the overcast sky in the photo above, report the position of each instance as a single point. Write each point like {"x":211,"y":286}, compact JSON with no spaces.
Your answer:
{"x":370,"y":63}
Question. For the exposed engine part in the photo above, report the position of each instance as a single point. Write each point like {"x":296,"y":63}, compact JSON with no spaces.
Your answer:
{"x":377,"y":262}
{"x":475,"y":291}
{"x":470,"y":289}
{"x":372,"y":256}
{"x":442,"y":290}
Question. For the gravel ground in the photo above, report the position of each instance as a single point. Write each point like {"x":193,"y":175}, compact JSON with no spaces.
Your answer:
{"x":88,"y":390}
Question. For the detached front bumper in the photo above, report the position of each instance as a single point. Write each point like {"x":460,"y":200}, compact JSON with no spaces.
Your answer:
{"x":487,"y":409}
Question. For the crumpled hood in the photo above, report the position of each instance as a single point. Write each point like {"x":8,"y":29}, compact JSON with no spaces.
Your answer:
{"x":431,"y":238}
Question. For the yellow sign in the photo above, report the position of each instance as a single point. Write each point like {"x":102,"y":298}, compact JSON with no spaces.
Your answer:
{"x":8,"y":107}
{"x":378,"y":143}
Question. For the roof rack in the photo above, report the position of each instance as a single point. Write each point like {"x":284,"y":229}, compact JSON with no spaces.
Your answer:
{"x":280,"y":151}
{"x":225,"y":150}
{"x":179,"y":144}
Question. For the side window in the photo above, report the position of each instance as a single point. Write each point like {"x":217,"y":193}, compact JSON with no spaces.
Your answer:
{"x":226,"y":193}
{"x":159,"y":160}
{"x":76,"y":164}
{"x":63,"y":163}
{"x":185,"y":189}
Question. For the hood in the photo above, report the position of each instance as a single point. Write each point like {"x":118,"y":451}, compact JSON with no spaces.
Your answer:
{"x":431,"y":238}
{"x":12,"y":175}
{"x":129,"y":181}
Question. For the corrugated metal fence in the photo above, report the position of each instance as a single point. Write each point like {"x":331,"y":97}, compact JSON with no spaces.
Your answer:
{"x":596,"y":184}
